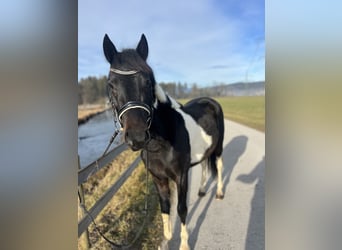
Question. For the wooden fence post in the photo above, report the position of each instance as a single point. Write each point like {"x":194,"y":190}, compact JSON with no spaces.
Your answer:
{"x":81,"y":193}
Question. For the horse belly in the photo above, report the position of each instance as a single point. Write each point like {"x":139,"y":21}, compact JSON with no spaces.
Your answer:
{"x":200,"y":141}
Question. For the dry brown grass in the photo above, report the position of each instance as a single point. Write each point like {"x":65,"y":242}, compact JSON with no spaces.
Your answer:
{"x":84,"y":111}
{"x":122,"y":217}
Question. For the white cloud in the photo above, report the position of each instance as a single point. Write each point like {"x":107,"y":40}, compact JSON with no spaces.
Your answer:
{"x":186,"y":38}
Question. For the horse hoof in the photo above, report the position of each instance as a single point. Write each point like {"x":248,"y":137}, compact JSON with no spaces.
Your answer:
{"x":219,"y":197}
{"x":201,"y":194}
{"x":184,"y":247}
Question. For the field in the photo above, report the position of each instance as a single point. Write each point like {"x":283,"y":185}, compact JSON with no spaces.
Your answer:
{"x":247,"y":110}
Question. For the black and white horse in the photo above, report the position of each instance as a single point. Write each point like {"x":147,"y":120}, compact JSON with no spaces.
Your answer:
{"x":172,"y":137}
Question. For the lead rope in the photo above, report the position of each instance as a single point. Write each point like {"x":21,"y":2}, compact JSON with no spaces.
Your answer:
{"x":116,"y":132}
{"x":145,"y":211}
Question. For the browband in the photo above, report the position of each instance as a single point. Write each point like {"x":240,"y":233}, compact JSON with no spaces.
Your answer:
{"x":123,"y":72}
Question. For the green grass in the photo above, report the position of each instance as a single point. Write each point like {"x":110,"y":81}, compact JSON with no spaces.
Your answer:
{"x":247,"y":110}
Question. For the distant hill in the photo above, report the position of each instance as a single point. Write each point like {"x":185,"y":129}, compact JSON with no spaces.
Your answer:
{"x":238,"y":89}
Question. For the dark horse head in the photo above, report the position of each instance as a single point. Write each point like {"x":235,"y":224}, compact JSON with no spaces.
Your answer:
{"x":131,"y":90}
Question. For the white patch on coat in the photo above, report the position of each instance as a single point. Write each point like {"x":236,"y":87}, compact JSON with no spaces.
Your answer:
{"x":163,"y":97}
{"x":200,"y":141}
{"x":167,"y":226}
{"x":184,"y":238}
{"x":219,"y":191}
{"x":160,"y":94}
{"x":174,"y":103}
{"x":155,"y":104}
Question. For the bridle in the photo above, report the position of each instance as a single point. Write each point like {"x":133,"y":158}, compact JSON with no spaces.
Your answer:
{"x":136,"y":105}
{"x":118,"y":113}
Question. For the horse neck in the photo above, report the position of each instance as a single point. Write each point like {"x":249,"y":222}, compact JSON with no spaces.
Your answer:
{"x":163,"y":113}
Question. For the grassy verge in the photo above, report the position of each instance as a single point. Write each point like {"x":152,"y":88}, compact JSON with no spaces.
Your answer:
{"x":247,"y":110}
{"x":85,"y":111}
{"x":122,"y":217}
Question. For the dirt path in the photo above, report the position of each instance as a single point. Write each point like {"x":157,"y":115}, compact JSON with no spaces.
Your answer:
{"x":238,"y":221}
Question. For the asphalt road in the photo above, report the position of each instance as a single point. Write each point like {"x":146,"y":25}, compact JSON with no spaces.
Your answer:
{"x":237,"y":221}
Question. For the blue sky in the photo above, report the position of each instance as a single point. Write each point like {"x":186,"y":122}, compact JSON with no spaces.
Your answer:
{"x":203,"y":42}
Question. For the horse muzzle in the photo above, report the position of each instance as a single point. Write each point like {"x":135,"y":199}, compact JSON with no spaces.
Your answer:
{"x":136,"y":118}
{"x":136,"y":140}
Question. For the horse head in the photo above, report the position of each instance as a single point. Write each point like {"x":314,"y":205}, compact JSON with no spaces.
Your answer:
{"x":131,"y":90}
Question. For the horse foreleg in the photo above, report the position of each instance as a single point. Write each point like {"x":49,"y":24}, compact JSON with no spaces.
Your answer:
{"x":182,"y":209}
{"x":164,"y":199}
{"x":167,"y":217}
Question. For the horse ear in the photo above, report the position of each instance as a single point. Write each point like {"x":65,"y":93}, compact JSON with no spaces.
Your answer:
{"x":142,"y":47}
{"x":109,"y":49}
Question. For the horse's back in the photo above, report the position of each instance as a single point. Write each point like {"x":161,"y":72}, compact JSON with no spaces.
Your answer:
{"x":203,"y":102}
{"x":204,"y":107}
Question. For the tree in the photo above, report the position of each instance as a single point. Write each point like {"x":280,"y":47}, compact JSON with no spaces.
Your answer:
{"x":92,"y":90}
{"x":194,"y":91}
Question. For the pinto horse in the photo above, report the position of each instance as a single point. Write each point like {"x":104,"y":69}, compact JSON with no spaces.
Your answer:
{"x":172,"y":137}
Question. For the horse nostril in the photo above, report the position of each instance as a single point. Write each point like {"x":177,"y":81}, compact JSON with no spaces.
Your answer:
{"x":137,"y":138}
